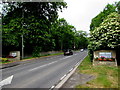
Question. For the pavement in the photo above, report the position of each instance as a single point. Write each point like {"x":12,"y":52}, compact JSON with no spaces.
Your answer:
{"x":40,"y":72}
{"x":77,"y":79}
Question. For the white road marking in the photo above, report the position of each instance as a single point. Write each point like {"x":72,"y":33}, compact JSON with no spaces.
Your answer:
{"x":63,"y":77}
{"x":43,"y":66}
{"x":70,"y":69}
{"x":67,"y":57}
{"x":6,"y":81}
{"x":48,"y":64}
{"x":77,"y":64}
{"x":51,"y":87}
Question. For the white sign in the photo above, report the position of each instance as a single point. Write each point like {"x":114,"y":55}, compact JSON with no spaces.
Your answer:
{"x":105,"y":54}
{"x":14,"y":54}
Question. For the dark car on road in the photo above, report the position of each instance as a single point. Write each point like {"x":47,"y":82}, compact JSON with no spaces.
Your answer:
{"x":68,"y":52}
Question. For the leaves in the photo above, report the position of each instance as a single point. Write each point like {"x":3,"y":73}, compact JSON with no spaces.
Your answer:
{"x":102,"y":16}
{"x":41,"y":29}
{"x":33,"y":21}
{"x":107,"y":34}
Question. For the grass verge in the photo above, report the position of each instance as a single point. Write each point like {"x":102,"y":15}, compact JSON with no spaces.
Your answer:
{"x":106,"y":76}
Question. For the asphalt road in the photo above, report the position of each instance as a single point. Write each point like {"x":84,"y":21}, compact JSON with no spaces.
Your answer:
{"x":42,"y":73}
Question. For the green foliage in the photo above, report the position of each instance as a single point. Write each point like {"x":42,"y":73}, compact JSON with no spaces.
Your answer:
{"x":101,"y":16}
{"x":118,"y":6}
{"x":36,"y":51}
{"x":108,"y":34}
{"x":81,"y":40}
{"x":66,"y":36}
{"x":41,"y":29}
{"x":63,"y":34}
{"x":12,"y":32}
{"x":33,"y":21}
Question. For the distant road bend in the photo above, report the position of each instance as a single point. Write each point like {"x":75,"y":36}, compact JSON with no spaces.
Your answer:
{"x":42,"y":73}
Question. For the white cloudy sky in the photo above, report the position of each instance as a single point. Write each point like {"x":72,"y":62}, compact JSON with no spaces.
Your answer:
{"x":80,"y":12}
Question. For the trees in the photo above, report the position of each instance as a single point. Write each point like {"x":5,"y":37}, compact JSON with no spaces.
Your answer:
{"x":33,"y":21}
{"x":66,"y":36}
{"x":108,"y":33}
{"x":110,"y":8}
{"x":63,"y":34}
{"x":40,"y":27}
{"x":101,"y":16}
{"x":81,"y":40}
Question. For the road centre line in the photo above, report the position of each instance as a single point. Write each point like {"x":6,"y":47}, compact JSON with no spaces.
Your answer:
{"x":48,"y":64}
{"x":42,"y":66}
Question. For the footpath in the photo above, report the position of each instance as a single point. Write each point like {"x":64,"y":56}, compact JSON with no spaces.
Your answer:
{"x":77,"y":79}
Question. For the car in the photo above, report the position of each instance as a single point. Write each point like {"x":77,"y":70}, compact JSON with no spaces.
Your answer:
{"x":81,"y":50}
{"x":68,"y":52}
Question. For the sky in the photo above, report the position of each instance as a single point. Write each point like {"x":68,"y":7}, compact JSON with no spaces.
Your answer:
{"x":79,"y":13}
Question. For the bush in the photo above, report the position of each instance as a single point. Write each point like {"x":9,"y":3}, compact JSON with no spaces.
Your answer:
{"x":36,"y":51}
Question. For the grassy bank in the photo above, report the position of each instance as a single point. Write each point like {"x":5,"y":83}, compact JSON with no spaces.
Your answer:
{"x":106,"y":76}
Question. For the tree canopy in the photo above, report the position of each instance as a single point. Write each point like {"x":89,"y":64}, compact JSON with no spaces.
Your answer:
{"x":81,"y":39}
{"x":40,"y":27}
{"x":107,"y":35}
{"x":96,"y":21}
{"x":33,"y":21}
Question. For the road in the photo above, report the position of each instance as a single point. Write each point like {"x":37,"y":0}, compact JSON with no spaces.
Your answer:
{"x":42,"y":73}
